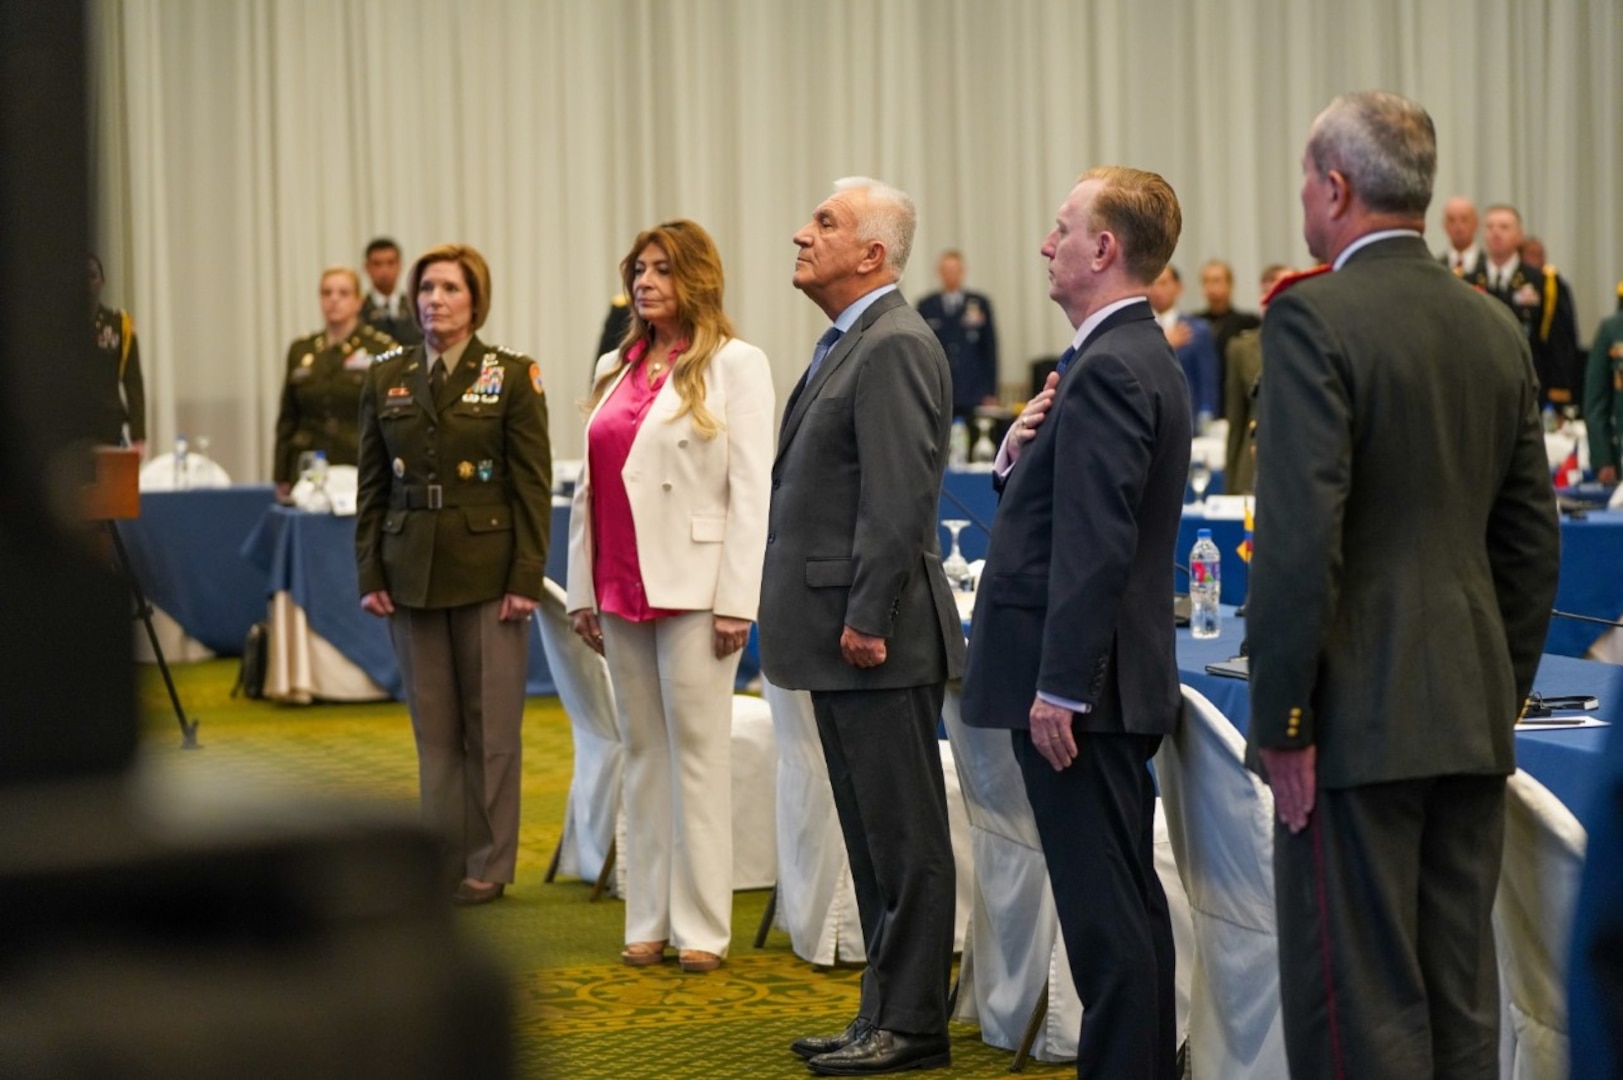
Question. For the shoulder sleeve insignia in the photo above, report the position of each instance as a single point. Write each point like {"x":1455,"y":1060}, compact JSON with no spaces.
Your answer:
{"x":535,"y":377}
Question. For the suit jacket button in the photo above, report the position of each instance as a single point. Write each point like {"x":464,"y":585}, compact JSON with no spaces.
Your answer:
{"x":681,"y":444}
{"x":666,"y":486}
{"x":772,"y":538}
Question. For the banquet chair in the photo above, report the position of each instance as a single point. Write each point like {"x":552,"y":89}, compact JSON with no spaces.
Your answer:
{"x":1220,"y":820}
{"x":593,"y":821}
{"x":586,"y":849}
{"x":1532,"y":926}
{"x":158,"y":474}
{"x":815,"y":900}
{"x":1016,"y":983}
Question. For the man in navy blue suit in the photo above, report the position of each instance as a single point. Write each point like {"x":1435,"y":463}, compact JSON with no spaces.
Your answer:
{"x":1191,"y":339}
{"x":1072,"y":646}
{"x":962,"y":321}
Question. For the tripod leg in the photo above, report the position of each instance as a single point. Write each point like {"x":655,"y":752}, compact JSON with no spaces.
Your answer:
{"x":143,"y":609}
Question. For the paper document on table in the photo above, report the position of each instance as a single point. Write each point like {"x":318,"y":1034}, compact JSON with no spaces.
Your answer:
{"x":1547,"y":723}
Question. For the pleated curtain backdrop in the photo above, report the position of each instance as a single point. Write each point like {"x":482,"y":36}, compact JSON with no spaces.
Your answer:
{"x":241,"y":147}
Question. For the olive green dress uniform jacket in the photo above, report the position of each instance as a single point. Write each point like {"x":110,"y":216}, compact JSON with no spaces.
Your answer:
{"x":321,"y":398}
{"x":1397,"y":632}
{"x":1603,"y":392}
{"x":455,"y":499}
{"x":118,"y":368}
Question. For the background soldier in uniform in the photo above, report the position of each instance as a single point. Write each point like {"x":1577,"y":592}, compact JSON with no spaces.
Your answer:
{"x":120,"y":395}
{"x":321,"y":392}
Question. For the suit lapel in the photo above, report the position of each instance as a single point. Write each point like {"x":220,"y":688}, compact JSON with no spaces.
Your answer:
{"x":806,"y":392}
{"x":1131,"y":313}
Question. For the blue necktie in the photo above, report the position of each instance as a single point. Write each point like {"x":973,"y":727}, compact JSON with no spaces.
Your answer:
{"x":1065,"y":359}
{"x":824,"y":344}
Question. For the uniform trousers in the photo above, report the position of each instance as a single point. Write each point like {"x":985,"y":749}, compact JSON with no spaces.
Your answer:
{"x":464,"y":670}
{"x":674,"y":702}
{"x":1386,"y":953}
{"x":1096,"y":820}
{"x":884,"y":765}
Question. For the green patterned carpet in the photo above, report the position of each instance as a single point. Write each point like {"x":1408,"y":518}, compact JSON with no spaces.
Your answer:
{"x":578,"y":1012}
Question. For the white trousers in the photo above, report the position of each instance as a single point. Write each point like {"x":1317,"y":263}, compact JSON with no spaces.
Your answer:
{"x":674,"y":701}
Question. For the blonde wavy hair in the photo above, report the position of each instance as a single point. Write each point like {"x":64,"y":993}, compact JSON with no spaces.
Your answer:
{"x":697,"y":280}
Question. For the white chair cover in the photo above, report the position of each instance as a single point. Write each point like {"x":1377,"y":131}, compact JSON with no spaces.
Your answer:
{"x":158,"y":474}
{"x":1220,"y":821}
{"x":1532,"y":927}
{"x":582,"y":676}
{"x":1016,"y":948}
{"x":817,"y":902}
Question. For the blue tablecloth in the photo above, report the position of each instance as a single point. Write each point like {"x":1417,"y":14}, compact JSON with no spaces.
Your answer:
{"x":968,"y":496}
{"x":1565,"y":761}
{"x":1591,"y":580}
{"x":1591,"y":556}
{"x":312,"y":558}
{"x":186,"y":548}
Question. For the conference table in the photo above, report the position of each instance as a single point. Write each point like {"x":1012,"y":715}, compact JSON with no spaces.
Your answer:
{"x":306,"y":567}
{"x":1565,"y":760}
{"x":185,"y":549}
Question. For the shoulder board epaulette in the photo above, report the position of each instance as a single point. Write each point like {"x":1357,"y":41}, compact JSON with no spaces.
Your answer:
{"x":398,"y":350}
{"x":1291,"y":279}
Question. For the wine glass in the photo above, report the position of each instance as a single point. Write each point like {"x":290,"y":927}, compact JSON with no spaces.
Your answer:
{"x":1200,"y":478}
{"x":984,"y":452}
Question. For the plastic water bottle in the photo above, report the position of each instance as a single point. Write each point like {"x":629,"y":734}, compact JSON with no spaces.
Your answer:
{"x":1205,"y":587}
{"x":958,"y":444}
{"x":182,"y":473}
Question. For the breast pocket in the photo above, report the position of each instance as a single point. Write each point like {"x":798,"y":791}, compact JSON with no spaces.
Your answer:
{"x":400,"y":409}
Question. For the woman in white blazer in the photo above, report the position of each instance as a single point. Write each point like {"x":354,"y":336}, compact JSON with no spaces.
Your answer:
{"x":666,"y":540}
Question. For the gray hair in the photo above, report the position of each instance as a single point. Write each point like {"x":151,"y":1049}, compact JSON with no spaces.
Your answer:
{"x":888,"y":215}
{"x":1384,"y":144}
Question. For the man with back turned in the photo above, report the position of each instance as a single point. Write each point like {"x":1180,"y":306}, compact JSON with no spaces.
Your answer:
{"x":1072,"y":646}
{"x":855,"y":609}
{"x":1393,"y":639}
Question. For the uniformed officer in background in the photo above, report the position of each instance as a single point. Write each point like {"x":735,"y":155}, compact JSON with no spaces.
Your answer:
{"x":385,"y":306}
{"x":119,"y":399}
{"x":451,"y":534}
{"x":321,"y":391}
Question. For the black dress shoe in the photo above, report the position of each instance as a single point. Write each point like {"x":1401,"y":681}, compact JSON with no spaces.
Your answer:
{"x":884,"y":1052}
{"x":812,"y":1045}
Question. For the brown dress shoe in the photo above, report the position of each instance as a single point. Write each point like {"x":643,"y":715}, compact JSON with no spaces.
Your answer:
{"x":697,"y":960}
{"x":643,"y":953}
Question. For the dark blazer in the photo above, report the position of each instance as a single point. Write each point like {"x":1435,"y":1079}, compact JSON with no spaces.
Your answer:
{"x":1076,"y":595}
{"x":482,"y":457}
{"x":1406,"y":539}
{"x":402,"y":328}
{"x":852,"y":538}
{"x":969,"y":338}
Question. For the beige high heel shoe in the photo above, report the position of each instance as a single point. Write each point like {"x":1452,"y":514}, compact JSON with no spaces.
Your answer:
{"x":643,"y":953}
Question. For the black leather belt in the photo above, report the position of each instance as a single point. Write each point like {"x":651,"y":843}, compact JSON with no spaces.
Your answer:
{"x":441,"y":496}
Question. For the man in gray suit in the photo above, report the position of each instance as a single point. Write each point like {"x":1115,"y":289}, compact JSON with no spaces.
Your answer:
{"x":1394,"y":637}
{"x":1073,"y":642}
{"x":855,"y":609}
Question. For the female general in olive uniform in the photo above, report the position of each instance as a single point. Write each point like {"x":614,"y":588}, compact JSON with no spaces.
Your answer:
{"x":321,"y":393}
{"x":451,"y":536}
